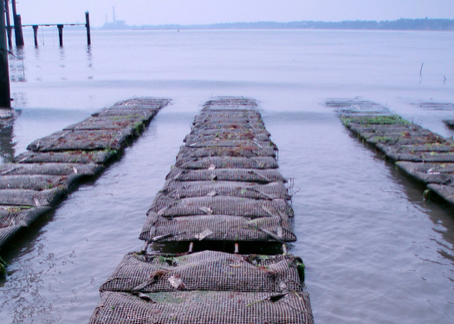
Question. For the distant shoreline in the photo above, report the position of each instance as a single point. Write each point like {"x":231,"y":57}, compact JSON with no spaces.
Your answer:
{"x":425,"y":24}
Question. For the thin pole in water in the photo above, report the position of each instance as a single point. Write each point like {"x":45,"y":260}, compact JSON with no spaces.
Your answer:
{"x":17,"y":26}
{"x":60,"y":34}
{"x":5,"y":99}
{"x":87,"y":24}
{"x":8,"y":25}
{"x":35,"y":34}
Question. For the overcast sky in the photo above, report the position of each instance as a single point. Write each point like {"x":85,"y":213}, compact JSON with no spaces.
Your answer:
{"x":157,"y":12}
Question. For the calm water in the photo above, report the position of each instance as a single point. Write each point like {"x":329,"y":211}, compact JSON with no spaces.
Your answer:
{"x":375,"y":251}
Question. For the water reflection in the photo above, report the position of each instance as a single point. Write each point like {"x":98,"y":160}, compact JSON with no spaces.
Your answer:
{"x":90,"y":62}
{"x":17,"y":66}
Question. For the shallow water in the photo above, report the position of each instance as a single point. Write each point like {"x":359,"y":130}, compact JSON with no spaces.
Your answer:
{"x":375,"y":251}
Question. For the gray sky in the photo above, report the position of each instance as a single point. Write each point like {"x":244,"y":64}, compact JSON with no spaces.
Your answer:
{"x":155,"y":12}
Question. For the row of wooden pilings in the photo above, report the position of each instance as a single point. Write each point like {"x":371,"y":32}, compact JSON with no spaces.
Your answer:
{"x":6,"y":43}
{"x":20,"y":38}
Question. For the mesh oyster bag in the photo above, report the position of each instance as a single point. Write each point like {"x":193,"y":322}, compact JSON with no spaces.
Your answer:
{"x":207,"y":270}
{"x":203,"y":307}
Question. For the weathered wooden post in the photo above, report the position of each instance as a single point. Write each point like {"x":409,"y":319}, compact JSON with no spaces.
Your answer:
{"x":17,"y":26}
{"x":60,"y":34}
{"x":5,"y":99}
{"x":8,"y":25}
{"x":87,"y":24}
{"x":35,"y":34}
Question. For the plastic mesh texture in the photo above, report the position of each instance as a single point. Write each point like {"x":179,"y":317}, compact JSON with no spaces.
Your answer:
{"x":228,"y":132}
{"x":7,"y":232}
{"x":98,"y":157}
{"x":81,"y":140}
{"x":219,"y":162}
{"x":216,"y":228}
{"x":225,"y":188}
{"x":444,"y":191}
{"x":35,"y":182}
{"x":441,"y":173}
{"x":14,"y":197}
{"x":203,"y":307}
{"x":40,"y":177}
{"x":419,"y":153}
{"x":247,"y":175}
{"x":207,"y":271}
{"x":224,"y":205}
{"x":223,"y":193}
{"x":241,"y":151}
{"x":12,"y":219}
{"x":177,"y":189}
{"x":406,"y":143}
{"x":90,"y":169}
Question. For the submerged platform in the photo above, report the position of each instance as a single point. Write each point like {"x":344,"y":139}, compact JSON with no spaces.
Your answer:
{"x":224,"y":190}
{"x":38,"y":179}
{"x":422,"y":154}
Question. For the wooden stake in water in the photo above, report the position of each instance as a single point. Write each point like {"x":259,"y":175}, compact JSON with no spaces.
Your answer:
{"x":17,"y":26}
{"x":87,"y":24}
{"x":5,"y":99}
{"x":60,"y":34}
{"x":8,"y":24}
{"x":35,"y":34}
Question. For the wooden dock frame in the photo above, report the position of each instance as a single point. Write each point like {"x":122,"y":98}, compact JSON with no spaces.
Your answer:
{"x":60,"y":30}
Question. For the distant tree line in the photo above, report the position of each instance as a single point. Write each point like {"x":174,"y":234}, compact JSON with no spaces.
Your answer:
{"x":400,"y":24}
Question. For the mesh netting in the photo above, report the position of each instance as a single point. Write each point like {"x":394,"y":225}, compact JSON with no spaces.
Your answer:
{"x":230,"y":103}
{"x":7,"y":232}
{"x":356,"y":106}
{"x":222,"y":117}
{"x":400,"y":139}
{"x":204,"y":308}
{"x":242,"y":151}
{"x":223,"y":205}
{"x":14,"y":197}
{"x":81,"y":140}
{"x":230,"y":143}
{"x":217,"y":228}
{"x":429,"y":172}
{"x":13,"y":218}
{"x":207,"y":270}
{"x":244,"y":127}
{"x":225,"y":132}
{"x":138,"y":112}
{"x":98,"y":157}
{"x":177,"y":189}
{"x":228,"y":162}
{"x":247,"y":175}
{"x":112,"y":123}
{"x":419,"y":153}
{"x":50,"y":169}
{"x":36,"y":182}
{"x":445,"y":191}
{"x":204,"y":136}
{"x":153,"y":103}
{"x":381,"y":129}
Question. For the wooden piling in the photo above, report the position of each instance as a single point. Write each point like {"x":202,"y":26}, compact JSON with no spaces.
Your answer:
{"x":8,"y":25}
{"x":87,"y":24}
{"x":35,"y":34}
{"x":17,"y":26}
{"x":5,"y":100}
{"x":60,"y":34}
